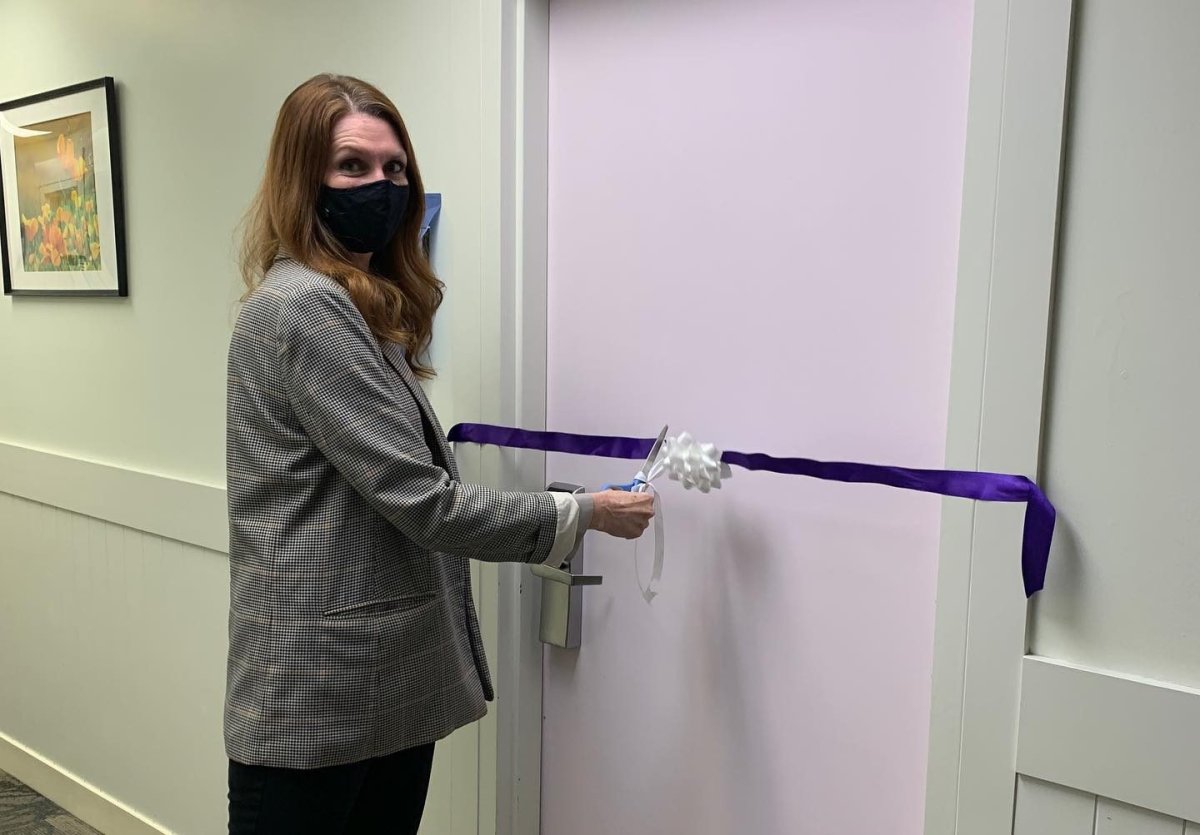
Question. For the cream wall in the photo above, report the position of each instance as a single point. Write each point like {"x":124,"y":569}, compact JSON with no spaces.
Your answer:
{"x":140,"y":382}
{"x":113,"y":580}
{"x":1120,"y":451}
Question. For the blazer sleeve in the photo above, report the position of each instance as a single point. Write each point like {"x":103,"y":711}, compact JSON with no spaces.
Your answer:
{"x":352,"y":406}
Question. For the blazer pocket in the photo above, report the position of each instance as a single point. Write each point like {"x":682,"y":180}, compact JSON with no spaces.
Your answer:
{"x":375,"y":608}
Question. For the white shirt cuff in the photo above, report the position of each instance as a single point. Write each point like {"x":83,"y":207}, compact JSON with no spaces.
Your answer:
{"x":574,"y":518}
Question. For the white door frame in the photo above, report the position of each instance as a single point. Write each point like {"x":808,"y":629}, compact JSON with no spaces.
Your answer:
{"x":1020,"y":67}
{"x":510,"y":594}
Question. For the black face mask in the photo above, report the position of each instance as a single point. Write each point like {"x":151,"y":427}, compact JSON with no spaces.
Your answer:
{"x":363,"y":218}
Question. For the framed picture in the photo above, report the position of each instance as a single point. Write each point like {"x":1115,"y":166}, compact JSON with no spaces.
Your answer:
{"x":62,"y":213}
{"x":433,"y":205}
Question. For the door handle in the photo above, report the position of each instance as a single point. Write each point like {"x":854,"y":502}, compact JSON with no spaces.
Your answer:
{"x":562,"y":591}
{"x":566,"y":578}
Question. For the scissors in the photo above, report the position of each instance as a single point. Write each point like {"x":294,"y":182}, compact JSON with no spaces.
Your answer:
{"x":643,"y":476}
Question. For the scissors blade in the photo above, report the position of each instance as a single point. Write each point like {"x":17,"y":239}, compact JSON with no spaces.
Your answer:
{"x":653,"y":456}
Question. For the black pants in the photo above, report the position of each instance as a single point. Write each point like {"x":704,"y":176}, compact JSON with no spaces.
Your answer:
{"x":383,"y":795}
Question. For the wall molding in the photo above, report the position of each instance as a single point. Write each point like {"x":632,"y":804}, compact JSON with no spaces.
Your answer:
{"x":1020,"y":60}
{"x":1110,"y":734}
{"x":174,"y":508}
{"x":72,"y":793}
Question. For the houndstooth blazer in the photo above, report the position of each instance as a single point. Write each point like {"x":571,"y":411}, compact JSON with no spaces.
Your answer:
{"x":352,"y":632}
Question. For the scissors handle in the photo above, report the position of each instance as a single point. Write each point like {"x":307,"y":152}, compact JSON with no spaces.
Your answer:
{"x":627,"y":486}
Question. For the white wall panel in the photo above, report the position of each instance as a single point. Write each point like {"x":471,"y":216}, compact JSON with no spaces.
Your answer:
{"x":1048,"y":809}
{"x":1114,"y":735}
{"x":1116,"y":818}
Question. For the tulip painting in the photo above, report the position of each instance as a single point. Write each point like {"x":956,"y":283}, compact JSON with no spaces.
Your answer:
{"x":62,"y":199}
{"x":56,"y":196}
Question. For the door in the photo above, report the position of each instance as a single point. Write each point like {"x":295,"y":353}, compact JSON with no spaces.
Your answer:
{"x":1076,"y":346}
{"x":753,"y":214}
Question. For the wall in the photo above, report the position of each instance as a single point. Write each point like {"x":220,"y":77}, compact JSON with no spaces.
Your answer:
{"x":113,"y":597}
{"x":1120,"y":450}
{"x":1076,"y":219}
{"x":1110,"y":697}
{"x":754,"y":214}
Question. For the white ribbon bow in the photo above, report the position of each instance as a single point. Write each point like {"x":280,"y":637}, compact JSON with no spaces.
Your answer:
{"x":692,"y":464}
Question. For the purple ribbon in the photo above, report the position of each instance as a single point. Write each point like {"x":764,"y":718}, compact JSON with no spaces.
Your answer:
{"x":984,"y":487}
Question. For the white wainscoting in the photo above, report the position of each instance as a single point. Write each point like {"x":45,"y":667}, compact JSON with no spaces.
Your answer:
{"x":112,"y":646}
{"x":114,"y":591}
{"x":1103,"y":753}
{"x":1049,"y":809}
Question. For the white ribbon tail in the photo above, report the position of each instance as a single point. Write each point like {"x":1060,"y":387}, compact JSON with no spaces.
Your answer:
{"x":650,"y":589}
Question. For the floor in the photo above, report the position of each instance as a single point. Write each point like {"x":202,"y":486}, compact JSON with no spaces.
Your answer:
{"x":25,"y":812}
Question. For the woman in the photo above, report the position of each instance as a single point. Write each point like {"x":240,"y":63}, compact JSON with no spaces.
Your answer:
{"x":354,"y":644}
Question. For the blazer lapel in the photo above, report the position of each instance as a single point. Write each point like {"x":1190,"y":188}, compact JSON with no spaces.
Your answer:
{"x":394,"y":354}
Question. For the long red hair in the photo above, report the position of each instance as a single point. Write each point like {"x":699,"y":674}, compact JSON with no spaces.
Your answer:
{"x":399,"y":296}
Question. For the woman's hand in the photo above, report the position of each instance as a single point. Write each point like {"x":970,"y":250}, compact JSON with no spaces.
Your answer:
{"x":622,"y":513}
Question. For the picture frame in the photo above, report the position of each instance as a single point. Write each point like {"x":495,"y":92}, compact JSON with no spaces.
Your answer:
{"x":62,"y":196}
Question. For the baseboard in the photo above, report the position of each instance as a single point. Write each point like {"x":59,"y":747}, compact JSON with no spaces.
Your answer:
{"x":76,"y":795}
